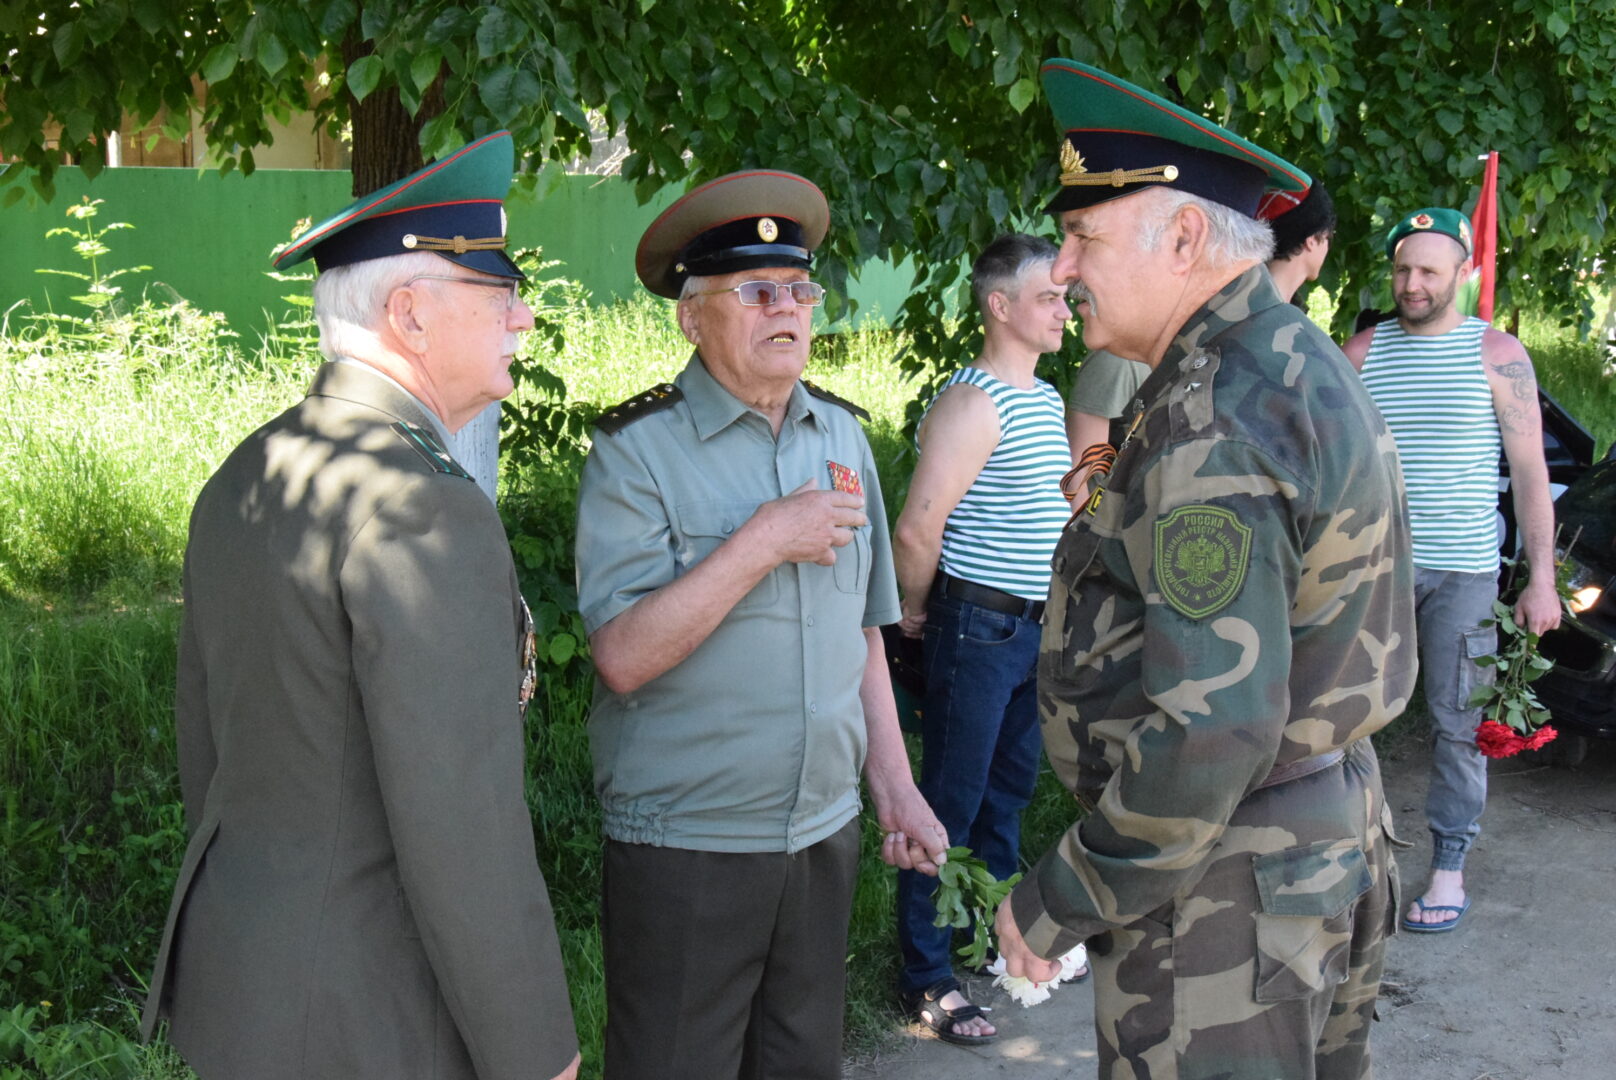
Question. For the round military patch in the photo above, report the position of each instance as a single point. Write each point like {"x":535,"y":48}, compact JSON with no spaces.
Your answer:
{"x":1201,"y":558}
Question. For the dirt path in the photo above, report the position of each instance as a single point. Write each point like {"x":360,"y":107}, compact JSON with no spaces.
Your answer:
{"x":1525,"y":990}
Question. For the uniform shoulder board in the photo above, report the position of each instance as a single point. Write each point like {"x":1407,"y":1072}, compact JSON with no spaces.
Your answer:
{"x":825,"y":395}
{"x":434,"y":453}
{"x":638,"y":407}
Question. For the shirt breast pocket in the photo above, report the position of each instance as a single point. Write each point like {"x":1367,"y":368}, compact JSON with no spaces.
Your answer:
{"x":701,"y":526}
{"x":852,"y":566}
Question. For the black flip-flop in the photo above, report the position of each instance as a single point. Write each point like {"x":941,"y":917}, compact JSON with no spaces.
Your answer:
{"x":926,"y":1007}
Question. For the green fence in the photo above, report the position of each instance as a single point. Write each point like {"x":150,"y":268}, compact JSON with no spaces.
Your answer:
{"x":208,"y":237}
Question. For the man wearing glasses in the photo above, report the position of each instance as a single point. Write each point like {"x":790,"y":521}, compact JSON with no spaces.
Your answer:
{"x":360,"y":896}
{"x":733,"y":573}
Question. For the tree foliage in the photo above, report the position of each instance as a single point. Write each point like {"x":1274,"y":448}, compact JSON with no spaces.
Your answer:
{"x":923,"y":122}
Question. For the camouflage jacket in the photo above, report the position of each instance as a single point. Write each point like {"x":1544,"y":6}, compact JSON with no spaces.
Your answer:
{"x":1240,"y":598}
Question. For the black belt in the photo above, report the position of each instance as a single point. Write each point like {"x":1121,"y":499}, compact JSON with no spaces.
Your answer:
{"x":986,"y":596}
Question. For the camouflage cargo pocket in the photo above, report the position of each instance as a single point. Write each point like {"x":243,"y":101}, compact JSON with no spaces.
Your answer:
{"x":1304,"y":929}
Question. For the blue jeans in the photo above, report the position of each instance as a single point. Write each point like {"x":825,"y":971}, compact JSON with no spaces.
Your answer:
{"x":979,"y":758}
{"x":1448,"y":609}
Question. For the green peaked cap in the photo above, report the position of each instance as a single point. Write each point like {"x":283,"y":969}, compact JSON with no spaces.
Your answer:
{"x":454,"y":208}
{"x":1120,"y":138}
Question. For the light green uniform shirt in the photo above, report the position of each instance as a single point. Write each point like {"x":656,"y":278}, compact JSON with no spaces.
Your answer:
{"x":1106,"y":384}
{"x":755,"y":741}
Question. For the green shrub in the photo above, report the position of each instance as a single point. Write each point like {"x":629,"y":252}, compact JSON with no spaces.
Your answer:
{"x":91,"y":832}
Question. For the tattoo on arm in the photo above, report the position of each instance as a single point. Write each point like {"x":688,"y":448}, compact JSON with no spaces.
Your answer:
{"x":1521,"y":382}
{"x":1512,"y":421}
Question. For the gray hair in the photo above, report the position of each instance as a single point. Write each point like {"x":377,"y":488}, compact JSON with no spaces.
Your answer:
{"x":1231,"y":236}
{"x":348,"y":300}
{"x":691,"y":287}
{"x":1001,"y":264}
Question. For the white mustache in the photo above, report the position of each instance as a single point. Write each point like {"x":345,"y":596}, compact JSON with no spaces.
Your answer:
{"x":1078,"y":293}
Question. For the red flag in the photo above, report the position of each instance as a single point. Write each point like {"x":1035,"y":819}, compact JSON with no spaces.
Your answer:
{"x":1484,"y":226}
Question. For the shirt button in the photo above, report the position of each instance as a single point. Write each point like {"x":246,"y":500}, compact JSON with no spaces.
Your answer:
{"x":810,"y":620}
{"x":728,"y":528}
{"x":813,"y":708}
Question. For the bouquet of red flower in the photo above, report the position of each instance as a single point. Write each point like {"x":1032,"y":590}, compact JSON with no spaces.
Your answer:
{"x":1515,"y":719}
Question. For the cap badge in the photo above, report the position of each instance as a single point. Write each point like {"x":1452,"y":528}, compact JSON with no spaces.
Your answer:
{"x":409,"y":240}
{"x":768,"y":231}
{"x":1423,"y":221}
{"x":1464,"y":231}
{"x":1071,"y":162}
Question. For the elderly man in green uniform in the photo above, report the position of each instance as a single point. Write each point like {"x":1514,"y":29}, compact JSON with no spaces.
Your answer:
{"x":733,"y":571}
{"x":1231,"y":617}
{"x":360,"y":897}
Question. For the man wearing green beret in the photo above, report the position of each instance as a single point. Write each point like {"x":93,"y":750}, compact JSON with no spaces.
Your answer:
{"x":360,"y":898}
{"x":733,"y":573}
{"x":1230,"y":618}
{"x":1453,"y":390}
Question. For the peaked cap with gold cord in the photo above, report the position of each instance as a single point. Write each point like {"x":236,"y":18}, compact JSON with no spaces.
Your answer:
{"x":454,"y":208}
{"x":1120,"y":139}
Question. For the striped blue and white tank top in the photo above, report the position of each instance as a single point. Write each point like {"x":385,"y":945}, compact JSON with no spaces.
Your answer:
{"x":1434,"y":393}
{"x":1003,"y":532}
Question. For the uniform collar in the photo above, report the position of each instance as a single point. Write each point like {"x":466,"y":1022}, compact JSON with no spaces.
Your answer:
{"x":1239,"y":300}
{"x":356,"y":381}
{"x":714,"y":408}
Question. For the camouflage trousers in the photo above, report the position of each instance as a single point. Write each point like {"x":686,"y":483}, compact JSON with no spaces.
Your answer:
{"x":1268,"y":967}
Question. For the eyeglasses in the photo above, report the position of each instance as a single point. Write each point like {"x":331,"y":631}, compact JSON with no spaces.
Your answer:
{"x":508,"y":284}
{"x":767,"y":293}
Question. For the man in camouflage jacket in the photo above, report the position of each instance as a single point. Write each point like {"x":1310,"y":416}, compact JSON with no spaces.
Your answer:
{"x":1230,"y":618}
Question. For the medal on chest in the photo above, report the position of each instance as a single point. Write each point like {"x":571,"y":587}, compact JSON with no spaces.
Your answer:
{"x":528,"y":656}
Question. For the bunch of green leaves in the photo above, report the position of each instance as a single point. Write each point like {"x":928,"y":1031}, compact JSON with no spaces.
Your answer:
{"x":967,"y":897}
{"x":1517,"y":663}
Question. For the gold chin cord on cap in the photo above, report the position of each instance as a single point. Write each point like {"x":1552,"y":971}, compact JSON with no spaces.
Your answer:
{"x":457,"y":244}
{"x":1075,"y":173}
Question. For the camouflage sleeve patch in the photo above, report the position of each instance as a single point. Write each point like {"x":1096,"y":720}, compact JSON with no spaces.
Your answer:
{"x":1200,"y":559}
{"x":638,"y":407}
{"x":433,"y":452}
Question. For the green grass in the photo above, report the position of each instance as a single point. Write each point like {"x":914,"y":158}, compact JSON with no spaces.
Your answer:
{"x":1577,"y":375}
{"x":103,"y":447}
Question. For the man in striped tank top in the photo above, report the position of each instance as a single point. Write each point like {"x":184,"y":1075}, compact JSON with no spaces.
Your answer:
{"x":972,"y":549}
{"x":1452,"y":390}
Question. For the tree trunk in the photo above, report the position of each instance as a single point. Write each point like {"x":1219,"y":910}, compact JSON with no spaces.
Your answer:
{"x":476,"y":446}
{"x":386,"y":138}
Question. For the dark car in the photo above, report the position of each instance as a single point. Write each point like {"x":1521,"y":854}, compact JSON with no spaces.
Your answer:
{"x":1580,"y":690}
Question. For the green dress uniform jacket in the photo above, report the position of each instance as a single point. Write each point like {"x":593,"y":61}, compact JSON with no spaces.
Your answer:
{"x":755,"y":741}
{"x":360,"y":897}
{"x":1236,"y":609}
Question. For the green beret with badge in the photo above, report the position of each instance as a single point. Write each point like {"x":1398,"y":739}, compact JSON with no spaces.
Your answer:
{"x":1119,"y":139}
{"x":454,"y":208}
{"x":1436,"y":219}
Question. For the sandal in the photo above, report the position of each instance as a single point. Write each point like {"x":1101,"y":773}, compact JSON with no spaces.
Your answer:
{"x":927,"y":1008}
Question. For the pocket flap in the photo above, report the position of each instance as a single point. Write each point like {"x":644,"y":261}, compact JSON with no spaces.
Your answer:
{"x":1319,"y":880}
{"x":714,"y":518}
